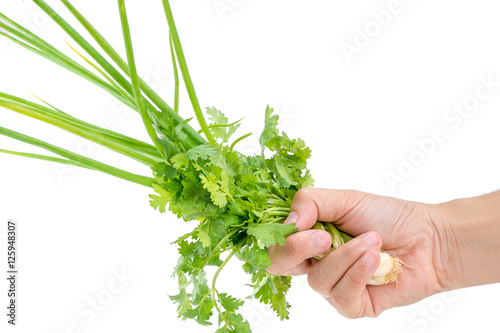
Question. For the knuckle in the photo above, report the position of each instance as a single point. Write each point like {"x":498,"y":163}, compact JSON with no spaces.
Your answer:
{"x":272,"y":270}
{"x":303,"y":193}
{"x":352,"y":250}
{"x":317,"y":282}
{"x":341,"y":303}
{"x":351,"y":281}
{"x":293,"y":249}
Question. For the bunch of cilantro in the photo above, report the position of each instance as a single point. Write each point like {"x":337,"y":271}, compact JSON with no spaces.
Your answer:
{"x":241,"y":203}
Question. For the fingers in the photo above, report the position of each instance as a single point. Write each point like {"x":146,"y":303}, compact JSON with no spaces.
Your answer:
{"x":347,"y":295}
{"x":311,"y":205}
{"x":292,"y":259}
{"x":342,"y":275}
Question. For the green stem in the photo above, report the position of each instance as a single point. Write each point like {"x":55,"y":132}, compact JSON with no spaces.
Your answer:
{"x":50,"y":53}
{"x":237,"y":247}
{"x":218,"y":246}
{"x":110,"y":51}
{"x":239,"y":139}
{"x":185,"y":73}
{"x":44,"y":158}
{"x":176,"y":75}
{"x":222,"y":125}
{"x":135,"y":78}
{"x":84,"y":44}
{"x":194,"y":138}
{"x":85,"y":161}
{"x":133,"y":148}
{"x":107,"y":77}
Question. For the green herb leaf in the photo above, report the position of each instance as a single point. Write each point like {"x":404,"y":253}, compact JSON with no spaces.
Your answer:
{"x":268,"y":234}
{"x":201,"y":151}
{"x":257,"y":258}
{"x":229,"y":303}
{"x":234,"y":323}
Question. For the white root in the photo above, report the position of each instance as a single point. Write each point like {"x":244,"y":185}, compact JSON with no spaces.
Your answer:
{"x":387,"y":270}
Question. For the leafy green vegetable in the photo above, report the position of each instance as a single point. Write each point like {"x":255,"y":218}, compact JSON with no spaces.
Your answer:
{"x":240,"y":202}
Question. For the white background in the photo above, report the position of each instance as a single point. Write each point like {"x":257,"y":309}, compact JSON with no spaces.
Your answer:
{"x":78,"y":229}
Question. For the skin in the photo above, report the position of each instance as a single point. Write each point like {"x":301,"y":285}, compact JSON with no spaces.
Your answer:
{"x":445,"y":246}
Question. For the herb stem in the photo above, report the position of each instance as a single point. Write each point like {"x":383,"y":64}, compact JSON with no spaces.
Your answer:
{"x":236,"y":249}
{"x":239,"y":139}
{"x":214,"y":279}
{"x":135,"y":78}
{"x":222,"y":241}
{"x":185,"y":73}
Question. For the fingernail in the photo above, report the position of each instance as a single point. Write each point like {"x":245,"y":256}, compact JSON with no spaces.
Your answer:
{"x":319,"y":239}
{"x":368,"y":259}
{"x":292,"y":218}
{"x":370,"y":239}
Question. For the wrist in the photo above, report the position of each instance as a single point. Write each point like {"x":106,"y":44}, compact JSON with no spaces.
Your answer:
{"x":469,"y":240}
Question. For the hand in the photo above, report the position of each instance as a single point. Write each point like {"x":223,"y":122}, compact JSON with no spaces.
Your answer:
{"x":414,"y":232}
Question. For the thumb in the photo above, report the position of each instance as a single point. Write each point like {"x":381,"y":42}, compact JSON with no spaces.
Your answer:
{"x":315,"y":204}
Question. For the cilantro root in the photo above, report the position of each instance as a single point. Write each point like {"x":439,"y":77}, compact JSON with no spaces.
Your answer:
{"x":240,"y":202}
{"x":389,"y":266}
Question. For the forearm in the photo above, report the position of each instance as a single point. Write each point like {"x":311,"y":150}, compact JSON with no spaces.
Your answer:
{"x":474,"y":240}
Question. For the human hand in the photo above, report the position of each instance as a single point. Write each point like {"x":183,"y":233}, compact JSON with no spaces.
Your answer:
{"x":414,"y":232}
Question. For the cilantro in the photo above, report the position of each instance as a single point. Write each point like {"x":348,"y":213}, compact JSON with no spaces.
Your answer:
{"x":229,"y":303}
{"x":234,"y":323}
{"x":201,"y":151}
{"x":179,"y":161}
{"x":160,"y":201}
{"x":220,"y":127}
{"x":269,"y":234}
{"x":270,"y":131}
{"x":240,"y":203}
{"x":215,"y":187}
